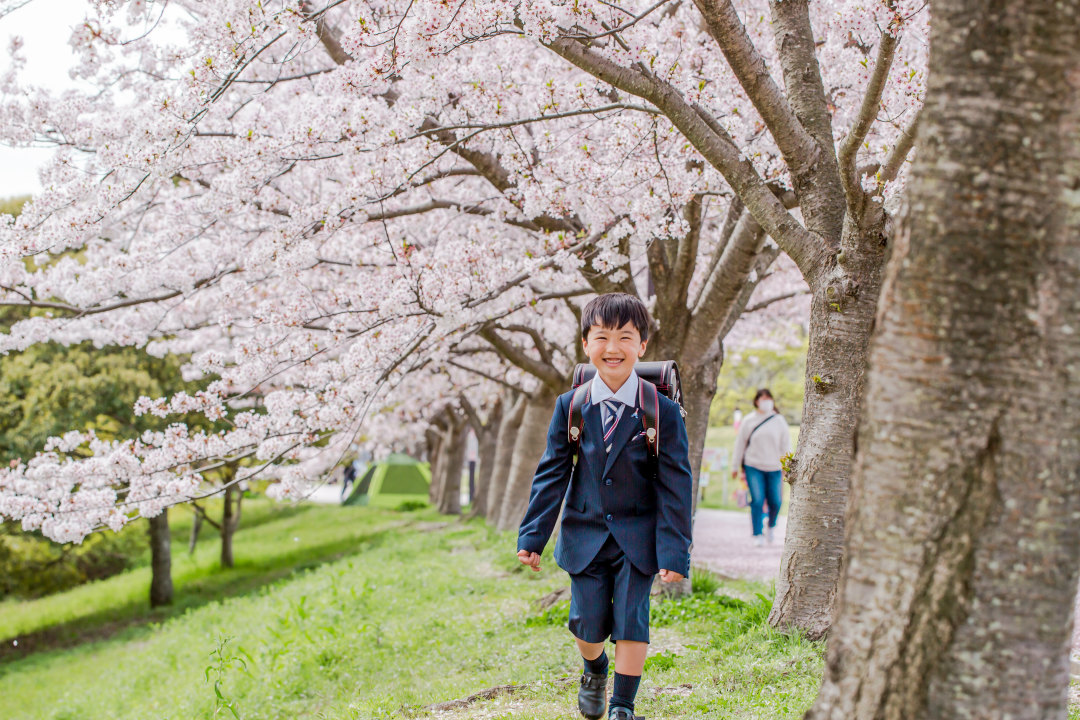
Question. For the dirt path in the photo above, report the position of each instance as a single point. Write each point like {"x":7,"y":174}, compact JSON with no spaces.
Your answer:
{"x":723,"y":544}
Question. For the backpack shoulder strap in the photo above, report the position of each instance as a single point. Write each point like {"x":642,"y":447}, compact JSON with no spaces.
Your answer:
{"x":649,"y":401}
{"x":576,"y":419}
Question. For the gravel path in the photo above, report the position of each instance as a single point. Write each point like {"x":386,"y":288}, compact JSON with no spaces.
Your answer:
{"x":723,"y":544}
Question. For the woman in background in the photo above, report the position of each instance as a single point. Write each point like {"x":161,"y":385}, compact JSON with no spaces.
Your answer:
{"x":763,"y":439}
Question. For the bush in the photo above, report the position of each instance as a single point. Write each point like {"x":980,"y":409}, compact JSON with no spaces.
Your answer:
{"x":32,"y":566}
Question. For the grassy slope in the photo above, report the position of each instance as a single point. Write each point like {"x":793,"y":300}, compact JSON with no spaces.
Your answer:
{"x":406,"y":617}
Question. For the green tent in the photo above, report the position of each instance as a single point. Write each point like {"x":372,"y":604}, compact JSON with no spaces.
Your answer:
{"x":393,"y":480}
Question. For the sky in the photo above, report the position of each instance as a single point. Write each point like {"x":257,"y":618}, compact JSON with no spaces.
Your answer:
{"x":45,"y":26}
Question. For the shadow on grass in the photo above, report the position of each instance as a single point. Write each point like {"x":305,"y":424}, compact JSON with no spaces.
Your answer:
{"x":246,"y":577}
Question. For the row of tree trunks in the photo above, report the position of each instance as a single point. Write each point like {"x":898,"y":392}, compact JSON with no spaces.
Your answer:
{"x":529,"y":445}
{"x":487,"y":442}
{"x":504,"y":455}
{"x":454,"y":459}
{"x":964,"y":540}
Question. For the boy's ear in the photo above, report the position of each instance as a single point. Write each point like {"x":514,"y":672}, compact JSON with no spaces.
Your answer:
{"x":641,"y":352}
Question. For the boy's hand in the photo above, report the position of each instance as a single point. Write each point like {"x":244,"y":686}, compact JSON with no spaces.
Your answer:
{"x":529,"y":558}
{"x":668,"y":576}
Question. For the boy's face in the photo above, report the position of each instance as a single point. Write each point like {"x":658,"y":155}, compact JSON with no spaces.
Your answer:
{"x":614,"y":352}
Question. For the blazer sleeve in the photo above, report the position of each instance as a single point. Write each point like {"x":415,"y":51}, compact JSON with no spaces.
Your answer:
{"x":549,"y":483}
{"x":674,"y":493}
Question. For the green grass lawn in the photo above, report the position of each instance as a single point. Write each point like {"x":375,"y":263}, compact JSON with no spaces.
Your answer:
{"x":369,"y":613}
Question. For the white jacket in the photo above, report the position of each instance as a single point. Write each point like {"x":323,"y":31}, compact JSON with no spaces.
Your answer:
{"x":767,"y":446}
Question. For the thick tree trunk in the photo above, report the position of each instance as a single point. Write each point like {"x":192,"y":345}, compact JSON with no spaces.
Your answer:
{"x":504,"y":455}
{"x":450,"y":493}
{"x":230,"y":520}
{"x":161,"y":587}
{"x":528,"y":448}
{"x":841,"y":319}
{"x":964,"y":539}
{"x":487,"y":438}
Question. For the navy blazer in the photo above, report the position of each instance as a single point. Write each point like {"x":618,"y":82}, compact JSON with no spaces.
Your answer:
{"x":616,"y":492}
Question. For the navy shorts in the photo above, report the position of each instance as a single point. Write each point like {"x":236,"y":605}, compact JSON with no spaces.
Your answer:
{"x":610,"y":598}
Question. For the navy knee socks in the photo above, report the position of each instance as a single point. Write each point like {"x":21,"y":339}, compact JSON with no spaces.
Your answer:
{"x":599,"y":666}
{"x":625,"y":690}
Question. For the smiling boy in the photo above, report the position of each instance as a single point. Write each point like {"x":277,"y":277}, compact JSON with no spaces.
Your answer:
{"x":627,"y":513}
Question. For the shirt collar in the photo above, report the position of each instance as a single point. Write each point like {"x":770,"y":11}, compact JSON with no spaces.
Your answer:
{"x":627,"y":394}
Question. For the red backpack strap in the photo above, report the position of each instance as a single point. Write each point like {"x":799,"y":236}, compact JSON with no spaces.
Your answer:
{"x":649,"y":402}
{"x":576,"y":420}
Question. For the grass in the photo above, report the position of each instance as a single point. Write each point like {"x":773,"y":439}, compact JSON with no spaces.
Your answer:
{"x":376,"y":614}
{"x":273,"y":542}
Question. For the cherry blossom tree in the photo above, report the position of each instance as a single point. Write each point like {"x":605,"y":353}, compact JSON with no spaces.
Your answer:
{"x":836,"y":135}
{"x":319,"y":201}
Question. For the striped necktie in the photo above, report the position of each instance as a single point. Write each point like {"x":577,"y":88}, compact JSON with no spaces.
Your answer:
{"x":613,"y":412}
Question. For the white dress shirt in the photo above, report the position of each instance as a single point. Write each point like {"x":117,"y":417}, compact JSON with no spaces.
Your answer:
{"x":627,"y":394}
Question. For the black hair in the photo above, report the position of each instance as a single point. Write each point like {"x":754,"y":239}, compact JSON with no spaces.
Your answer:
{"x":764,"y":392}
{"x":612,"y":311}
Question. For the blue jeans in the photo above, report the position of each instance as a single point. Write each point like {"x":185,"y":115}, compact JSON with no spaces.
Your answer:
{"x":764,"y":487}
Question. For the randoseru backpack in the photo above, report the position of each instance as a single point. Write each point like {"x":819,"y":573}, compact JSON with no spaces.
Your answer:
{"x":654,"y":378}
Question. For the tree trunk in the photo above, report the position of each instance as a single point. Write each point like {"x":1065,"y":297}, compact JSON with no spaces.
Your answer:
{"x":230,"y":520}
{"x":699,"y":388}
{"x":434,"y":445}
{"x":964,"y":544}
{"x":488,"y":438}
{"x":450,"y":492}
{"x":504,"y":455}
{"x":841,"y":319}
{"x":528,"y":448}
{"x":196,"y":526}
{"x":161,"y":587}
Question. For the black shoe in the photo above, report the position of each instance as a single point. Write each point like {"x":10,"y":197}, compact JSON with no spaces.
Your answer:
{"x":592,"y":695}
{"x":617,"y":712}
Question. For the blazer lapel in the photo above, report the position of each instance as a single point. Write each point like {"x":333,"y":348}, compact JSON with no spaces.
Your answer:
{"x":627,"y":427}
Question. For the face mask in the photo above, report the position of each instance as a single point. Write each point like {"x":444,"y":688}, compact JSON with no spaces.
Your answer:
{"x":765,"y":405}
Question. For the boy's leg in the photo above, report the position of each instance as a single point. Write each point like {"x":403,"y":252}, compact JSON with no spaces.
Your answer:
{"x":590,"y":623}
{"x":755,"y":481}
{"x":630,"y":631}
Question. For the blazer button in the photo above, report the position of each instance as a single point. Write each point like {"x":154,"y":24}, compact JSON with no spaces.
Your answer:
{"x":608,"y":481}
{"x":608,"y":517}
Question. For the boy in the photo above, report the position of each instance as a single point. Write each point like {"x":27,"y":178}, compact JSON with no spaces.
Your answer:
{"x":627,"y":514}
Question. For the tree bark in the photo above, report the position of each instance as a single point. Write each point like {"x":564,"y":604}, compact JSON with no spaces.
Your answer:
{"x":528,"y":448}
{"x":841,"y":319}
{"x":488,"y":438}
{"x":504,"y":455}
{"x":196,"y":526}
{"x":161,"y":587}
{"x":230,"y":520}
{"x":964,"y":545}
{"x":450,"y":492}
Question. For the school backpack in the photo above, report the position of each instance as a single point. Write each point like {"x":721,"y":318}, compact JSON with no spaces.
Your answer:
{"x":654,"y":378}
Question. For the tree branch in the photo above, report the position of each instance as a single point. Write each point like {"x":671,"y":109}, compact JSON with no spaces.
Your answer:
{"x":542,"y":371}
{"x":723,"y":23}
{"x":714,"y":143}
{"x":898,"y":155}
{"x":723,"y":286}
{"x":868,"y":110}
